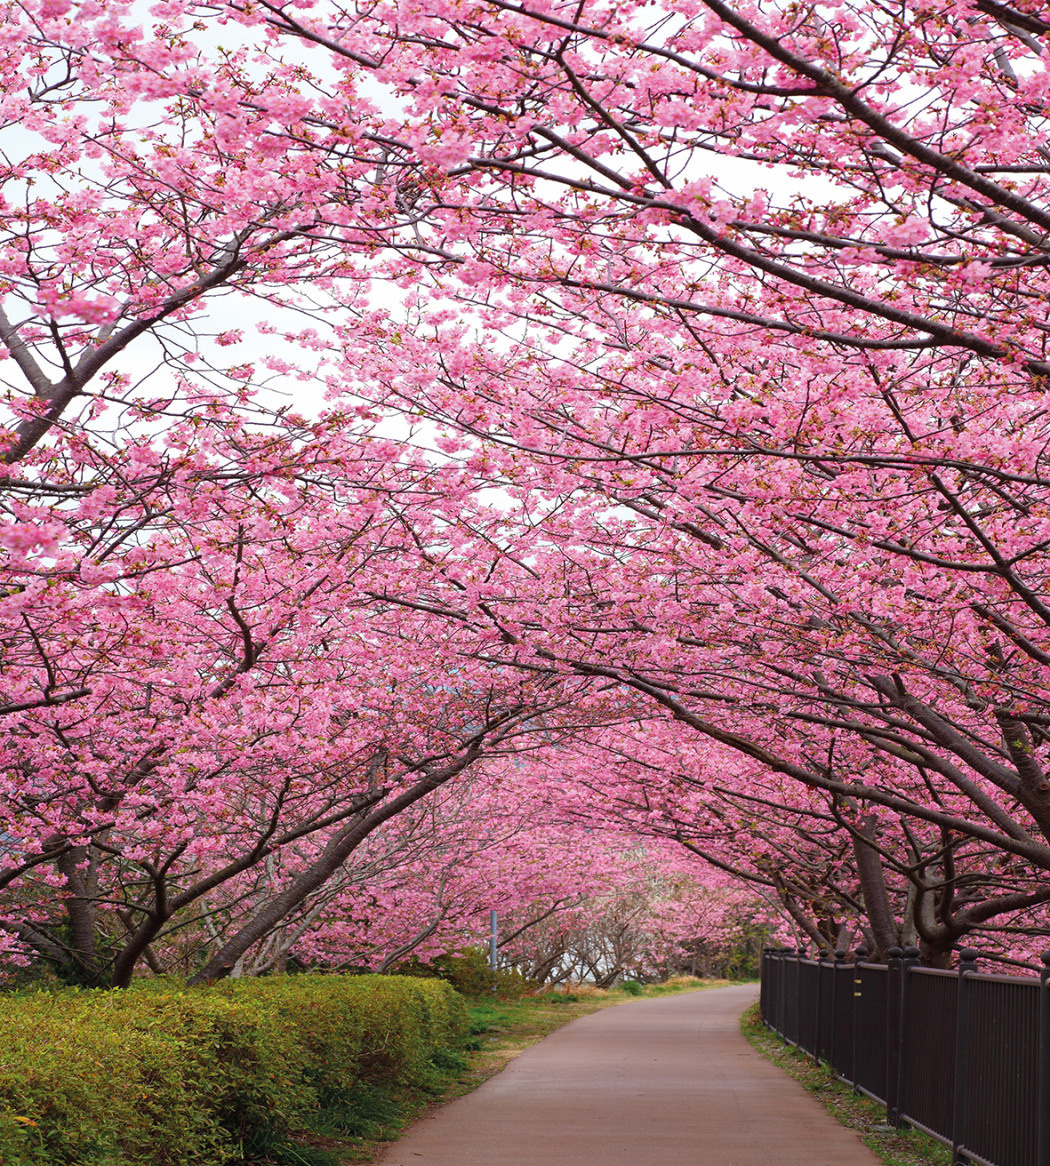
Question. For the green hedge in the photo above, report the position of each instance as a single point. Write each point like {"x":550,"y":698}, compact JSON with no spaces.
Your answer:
{"x":164,"y":1075}
{"x":468,"y":972}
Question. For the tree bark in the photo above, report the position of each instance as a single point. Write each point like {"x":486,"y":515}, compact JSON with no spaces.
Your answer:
{"x":873,"y":888}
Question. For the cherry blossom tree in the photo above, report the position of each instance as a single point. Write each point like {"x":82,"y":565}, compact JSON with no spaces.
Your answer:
{"x":251,"y":705}
{"x":737,"y":308}
{"x":823,"y":412}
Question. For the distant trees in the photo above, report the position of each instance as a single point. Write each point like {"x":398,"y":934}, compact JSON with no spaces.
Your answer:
{"x":648,"y":930}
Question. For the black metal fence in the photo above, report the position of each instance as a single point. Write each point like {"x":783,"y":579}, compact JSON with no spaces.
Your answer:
{"x":961,"y":1055}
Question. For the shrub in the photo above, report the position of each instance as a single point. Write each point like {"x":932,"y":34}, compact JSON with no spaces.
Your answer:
{"x":164,"y":1075}
{"x":468,"y":972}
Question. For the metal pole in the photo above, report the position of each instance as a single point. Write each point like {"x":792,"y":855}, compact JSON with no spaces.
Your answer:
{"x":833,"y":1039}
{"x":1043,"y":1108}
{"x":818,"y":1042}
{"x":894,"y":1026}
{"x":493,"y":945}
{"x":764,"y":976}
{"x":910,"y":961}
{"x":967,"y":968}
{"x":856,"y":1013}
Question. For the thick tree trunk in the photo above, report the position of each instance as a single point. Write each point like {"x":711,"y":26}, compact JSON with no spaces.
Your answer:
{"x":75,"y":867}
{"x":1034,"y":790}
{"x":873,"y":888}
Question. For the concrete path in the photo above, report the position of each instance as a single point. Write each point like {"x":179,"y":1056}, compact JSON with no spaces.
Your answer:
{"x":663,"y":1082}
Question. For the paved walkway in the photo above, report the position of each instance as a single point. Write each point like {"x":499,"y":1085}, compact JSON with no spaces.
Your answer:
{"x":662,"y":1082}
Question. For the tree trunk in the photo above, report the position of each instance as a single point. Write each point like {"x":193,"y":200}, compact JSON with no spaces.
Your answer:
{"x":873,"y":889}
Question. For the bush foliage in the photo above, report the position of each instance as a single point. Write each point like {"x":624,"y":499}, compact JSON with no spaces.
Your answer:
{"x":468,"y":972}
{"x":164,"y":1075}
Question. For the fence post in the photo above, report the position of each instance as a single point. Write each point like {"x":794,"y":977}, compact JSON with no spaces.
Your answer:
{"x":822,"y":956}
{"x":775,"y":994}
{"x":1043,"y":1096}
{"x":782,"y":1001}
{"x":967,"y":968}
{"x":894,"y":999}
{"x":896,"y":1030}
{"x":856,"y":1011}
{"x":837,"y":970}
{"x":763,"y":985}
{"x":775,"y":971}
{"x":911,"y":960}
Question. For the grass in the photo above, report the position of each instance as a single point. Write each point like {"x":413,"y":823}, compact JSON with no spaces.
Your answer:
{"x":356,"y":1128}
{"x":896,"y":1147}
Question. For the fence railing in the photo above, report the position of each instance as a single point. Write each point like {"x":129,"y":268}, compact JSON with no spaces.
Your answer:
{"x":961,"y":1055}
